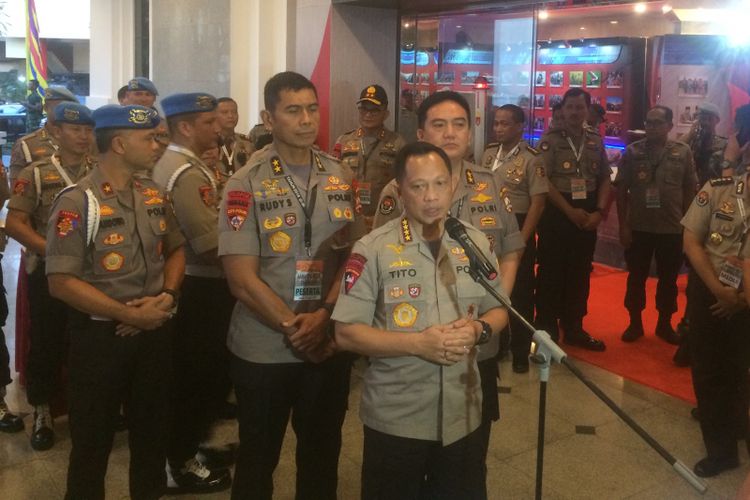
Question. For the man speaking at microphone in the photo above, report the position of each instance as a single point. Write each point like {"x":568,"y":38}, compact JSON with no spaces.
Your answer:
{"x":409,"y":303}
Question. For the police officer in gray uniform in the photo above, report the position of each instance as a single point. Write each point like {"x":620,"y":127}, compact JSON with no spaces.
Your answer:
{"x":369,"y":150}
{"x":202,"y":320}
{"x":716,"y":227}
{"x":114,"y":253}
{"x":408,"y":302}
{"x":520,"y":171}
{"x":282,"y":237}
{"x":445,"y":121}
{"x":235,"y":149}
{"x":28,"y":212}
{"x":655,"y":185}
{"x":579,"y":186}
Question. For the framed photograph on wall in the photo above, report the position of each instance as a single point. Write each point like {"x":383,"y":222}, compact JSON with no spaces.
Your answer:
{"x":593,"y":79}
{"x":539,"y":101}
{"x":614,"y":79}
{"x":556,"y":79}
{"x":540,"y":79}
{"x":614,"y":104}
{"x":554,"y":100}
{"x":575,"y":79}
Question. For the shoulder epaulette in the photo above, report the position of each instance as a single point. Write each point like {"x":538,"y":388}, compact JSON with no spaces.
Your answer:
{"x":532,"y":150}
{"x":327,"y":156}
{"x":721,"y":181}
{"x":491,"y":145}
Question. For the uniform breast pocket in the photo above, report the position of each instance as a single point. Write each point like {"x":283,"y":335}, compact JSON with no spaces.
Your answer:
{"x":672,"y":174}
{"x":470,"y":295}
{"x":351,"y":160}
{"x":278,"y":230}
{"x":404,"y":312}
{"x":387,"y":157}
{"x":341,"y":212}
{"x":565,"y":162}
{"x":723,"y":227}
{"x":159,"y":228}
{"x":113,"y":253}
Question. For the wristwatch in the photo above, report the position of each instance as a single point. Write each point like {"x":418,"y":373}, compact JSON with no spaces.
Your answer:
{"x":328,"y":307}
{"x":485,"y":334}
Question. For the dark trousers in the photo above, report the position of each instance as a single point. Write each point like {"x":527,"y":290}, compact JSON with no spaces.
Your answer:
{"x":103,"y":367}
{"x":719,"y":352}
{"x":565,"y":255}
{"x":667,"y":249}
{"x":201,"y":363}
{"x":48,"y":340}
{"x":316,"y":395}
{"x":398,"y":468}
{"x":522,"y":297}
{"x":5,"y":378}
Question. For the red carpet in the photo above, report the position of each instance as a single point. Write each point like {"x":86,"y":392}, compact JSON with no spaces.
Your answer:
{"x":648,"y":360}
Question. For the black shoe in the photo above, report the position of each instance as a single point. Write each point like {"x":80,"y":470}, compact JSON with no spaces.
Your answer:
{"x":218,"y":458}
{"x":665,"y":332}
{"x":195,"y":477}
{"x":8,"y":421}
{"x":632,"y":333}
{"x":681,"y":356}
{"x":584,"y":340}
{"x":227,"y":411}
{"x":520,"y":364}
{"x":42,"y":437}
{"x":709,"y":467}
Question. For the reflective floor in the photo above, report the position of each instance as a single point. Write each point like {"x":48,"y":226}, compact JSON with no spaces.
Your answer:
{"x":589,"y":451}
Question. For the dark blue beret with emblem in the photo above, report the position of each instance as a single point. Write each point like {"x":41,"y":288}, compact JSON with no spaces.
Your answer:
{"x":133,"y":117}
{"x":193,"y":102}
{"x":73,"y":113}
{"x":57,"y":93}
{"x":142,"y":83}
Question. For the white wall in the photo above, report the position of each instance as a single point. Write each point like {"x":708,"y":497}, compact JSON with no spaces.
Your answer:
{"x":57,"y":18}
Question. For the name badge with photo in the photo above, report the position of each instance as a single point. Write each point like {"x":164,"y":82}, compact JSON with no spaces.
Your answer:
{"x":731,"y":275}
{"x":364,"y":192}
{"x":308,"y":280}
{"x":652,"y":197}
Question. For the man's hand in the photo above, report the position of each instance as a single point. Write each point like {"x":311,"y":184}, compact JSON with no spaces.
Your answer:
{"x":163,"y":301}
{"x":324,"y":351}
{"x":309,"y":330}
{"x":727,"y":302}
{"x":593,"y":219}
{"x":578,"y":216}
{"x":148,"y":313}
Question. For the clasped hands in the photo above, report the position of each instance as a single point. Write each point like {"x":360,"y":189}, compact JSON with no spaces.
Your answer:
{"x":448,"y":344}
{"x":146,"y":313}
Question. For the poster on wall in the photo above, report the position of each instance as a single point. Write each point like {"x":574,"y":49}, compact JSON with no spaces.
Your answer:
{"x":593,"y":79}
{"x":556,"y":79}
{"x":539,"y":101}
{"x":614,"y":104}
{"x":575,"y":79}
{"x":554,"y":100}
{"x":540,"y":80}
{"x":689,"y":86}
{"x":614,"y":79}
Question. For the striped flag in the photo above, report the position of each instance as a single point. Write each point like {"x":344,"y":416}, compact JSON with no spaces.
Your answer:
{"x":36,"y":51}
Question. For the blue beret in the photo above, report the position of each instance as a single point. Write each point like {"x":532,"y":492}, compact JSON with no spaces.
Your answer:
{"x":58,"y":93}
{"x":116,"y":116}
{"x":73,"y":113}
{"x":194,"y":102}
{"x":142,"y":83}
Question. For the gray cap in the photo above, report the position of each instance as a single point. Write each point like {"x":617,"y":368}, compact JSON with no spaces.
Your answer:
{"x":58,"y":93}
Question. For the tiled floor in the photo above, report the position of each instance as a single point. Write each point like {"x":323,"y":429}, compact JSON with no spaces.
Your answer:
{"x":613,"y":463}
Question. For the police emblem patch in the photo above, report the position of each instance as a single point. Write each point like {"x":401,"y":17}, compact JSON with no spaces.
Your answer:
{"x":405,"y":315}
{"x":67,"y":222}
{"x":237,"y":206}
{"x":387,"y":205}
{"x":290,"y":219}
{"x":113,"y":261}
{"x":701,"y":199}
{"x":353,"y":270}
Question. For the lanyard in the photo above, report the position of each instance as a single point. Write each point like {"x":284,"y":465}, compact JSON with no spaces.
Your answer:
{"x":307,"y":209}
{"x":61,"y":170}
{"x":499,"y":161}
{"x":227,"y":155}
{"x":366,"y":157}
{"x":578,"y":153}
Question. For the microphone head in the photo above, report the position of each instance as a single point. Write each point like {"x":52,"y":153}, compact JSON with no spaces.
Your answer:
{"x":454,"y":227}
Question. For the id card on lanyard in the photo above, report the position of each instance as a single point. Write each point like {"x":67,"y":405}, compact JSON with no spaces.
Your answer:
{"x":308,"y":275}
{"x":578,"y":184}
{"x":731,"y":274}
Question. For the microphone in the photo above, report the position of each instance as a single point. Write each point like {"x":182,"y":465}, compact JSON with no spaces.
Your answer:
{"x":457,"y":231}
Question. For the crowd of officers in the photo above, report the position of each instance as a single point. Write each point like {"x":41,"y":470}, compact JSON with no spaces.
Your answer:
{"x":172,"y":259}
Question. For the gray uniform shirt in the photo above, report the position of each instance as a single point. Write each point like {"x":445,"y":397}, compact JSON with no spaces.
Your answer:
{"x":393,"y":282}
{"x":657,"y":183}
{"x":136,"y":230}
{"x":32,"y":147}
{"x":520,"y":173}
{"x":260,"y":216}
{"x":194,"y":197}
{"x":562,"y":164}
{"x":716,"y":217}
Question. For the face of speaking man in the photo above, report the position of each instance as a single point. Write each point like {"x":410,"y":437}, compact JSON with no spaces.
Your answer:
{"x":426,"y":189}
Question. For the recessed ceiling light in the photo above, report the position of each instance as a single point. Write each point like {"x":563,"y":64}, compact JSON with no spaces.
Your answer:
{"x":639,"y":8}
{"x":582,"y":28}
{"x":406,"y":25}
{"x":614,"y":22}
{"x":543,"y":14}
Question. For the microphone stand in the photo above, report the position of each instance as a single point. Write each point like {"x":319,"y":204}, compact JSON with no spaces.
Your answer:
{"x":546,"y":352}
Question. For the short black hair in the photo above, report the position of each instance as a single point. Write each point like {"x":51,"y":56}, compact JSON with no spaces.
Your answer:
{"x":419,"y":148}
{"x":173,"y":121}
{"x":121,"y":93}
{"x":668,"y":115}
{"x":104,"y":138}
{"x":286,"y":80}
{"x":437,"y":98}
{"x":576,"y":92}
{"x":225,"y":99}
{"x":516,"y":112}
